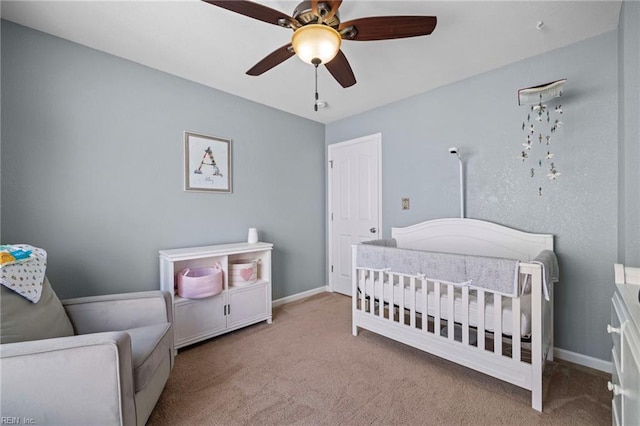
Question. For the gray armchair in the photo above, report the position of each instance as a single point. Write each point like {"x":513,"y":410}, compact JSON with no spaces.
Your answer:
{"x":92,"y":360}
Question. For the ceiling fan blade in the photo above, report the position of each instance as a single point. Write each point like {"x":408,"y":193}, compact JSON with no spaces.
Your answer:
{"x":254,"y":10}
{"x":389,"y":27}
{"x":274,"y":58}
{"x":341,"y":70}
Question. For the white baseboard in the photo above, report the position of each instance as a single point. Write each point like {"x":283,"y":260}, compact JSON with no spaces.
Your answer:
{"x":587,"y":361}
{"x":299,"y":296}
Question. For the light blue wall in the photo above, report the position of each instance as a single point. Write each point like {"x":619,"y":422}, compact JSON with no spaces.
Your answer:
{"x":92,"y":169}
{"x":629,"y":121}
{"x":481,"y":116}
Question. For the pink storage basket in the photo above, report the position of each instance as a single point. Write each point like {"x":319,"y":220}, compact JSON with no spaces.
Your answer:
{"x":200,"y":282}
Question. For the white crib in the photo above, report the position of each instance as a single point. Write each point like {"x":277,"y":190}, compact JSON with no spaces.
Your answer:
{"x":493,"y":334}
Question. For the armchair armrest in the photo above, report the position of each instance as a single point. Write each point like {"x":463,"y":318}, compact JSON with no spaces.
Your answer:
{"x":118,"y":312}
{"x":69,"y":380}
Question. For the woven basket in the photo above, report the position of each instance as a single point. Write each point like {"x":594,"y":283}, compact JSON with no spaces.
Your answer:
{"x":200,"y":283}
{"x":243,"y":272}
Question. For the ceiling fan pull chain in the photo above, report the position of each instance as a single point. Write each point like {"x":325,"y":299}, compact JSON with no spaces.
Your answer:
{"x":315,"y":104}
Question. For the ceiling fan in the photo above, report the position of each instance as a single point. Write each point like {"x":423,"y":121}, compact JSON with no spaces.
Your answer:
{"x":318,"y":33}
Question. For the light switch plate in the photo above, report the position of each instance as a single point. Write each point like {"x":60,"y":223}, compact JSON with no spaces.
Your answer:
{"x":405,"y":204}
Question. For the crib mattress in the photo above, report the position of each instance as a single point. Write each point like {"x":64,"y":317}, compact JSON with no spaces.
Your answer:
{"x":489,"y":318}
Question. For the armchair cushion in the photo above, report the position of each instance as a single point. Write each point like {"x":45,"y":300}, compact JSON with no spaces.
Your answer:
{"x":22,"y":320}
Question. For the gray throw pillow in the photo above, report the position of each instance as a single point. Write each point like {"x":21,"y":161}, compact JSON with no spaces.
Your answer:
{"x":22,"y":320}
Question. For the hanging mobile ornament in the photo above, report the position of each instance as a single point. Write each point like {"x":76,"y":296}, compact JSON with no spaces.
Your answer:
{"x":553,"y":173}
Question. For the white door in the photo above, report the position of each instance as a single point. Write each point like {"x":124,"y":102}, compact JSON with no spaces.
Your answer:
{"x":354,"y":200}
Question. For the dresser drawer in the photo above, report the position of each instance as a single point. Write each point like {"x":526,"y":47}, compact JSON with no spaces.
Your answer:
{"x":630,"y":375}
{"x":616,"y":400}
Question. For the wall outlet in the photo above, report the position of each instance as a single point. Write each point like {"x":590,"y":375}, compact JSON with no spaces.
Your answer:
{"x":405,"y":204}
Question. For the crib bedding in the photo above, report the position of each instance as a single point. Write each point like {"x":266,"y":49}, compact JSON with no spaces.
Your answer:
{"x":507,"y":316}
{"x":499,"y":275}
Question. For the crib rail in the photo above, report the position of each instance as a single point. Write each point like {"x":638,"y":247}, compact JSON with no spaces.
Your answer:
{"x":473,"y":327}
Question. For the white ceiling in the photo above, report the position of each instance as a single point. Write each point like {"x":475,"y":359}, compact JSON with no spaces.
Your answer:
{"x":215,"y":47}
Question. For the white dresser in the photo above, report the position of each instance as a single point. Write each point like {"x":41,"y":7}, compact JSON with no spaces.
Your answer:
{"x":625,"y":332}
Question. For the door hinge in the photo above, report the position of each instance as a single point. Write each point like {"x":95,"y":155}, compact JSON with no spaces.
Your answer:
{"x":331,"y":216}
{"x":331,"y":164}
{"x":331,"y":268}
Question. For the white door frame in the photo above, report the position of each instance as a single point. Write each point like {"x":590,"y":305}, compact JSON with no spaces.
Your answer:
{"x":375,"y":138}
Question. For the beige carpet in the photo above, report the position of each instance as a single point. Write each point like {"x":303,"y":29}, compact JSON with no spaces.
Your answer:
{"x":306,"y":368}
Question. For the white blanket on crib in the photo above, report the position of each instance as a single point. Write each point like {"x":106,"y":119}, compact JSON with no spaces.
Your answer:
{"x":498,"y":275}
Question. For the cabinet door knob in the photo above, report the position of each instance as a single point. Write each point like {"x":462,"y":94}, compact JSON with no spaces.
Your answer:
{"x":612,"y":329}
{"x":614,"y":388}
{"x":373,"y":230}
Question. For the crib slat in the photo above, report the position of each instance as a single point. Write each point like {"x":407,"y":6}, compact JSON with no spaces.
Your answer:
{"x":391,"y":298}
{"x":372,"y":296}
{"x":450,"y":312}
{"x":436,"y":306}
{"x":363,"y":293}
{"x":497,"y":324}
{"x":425,"y":306}
{"x":481,"y":307}
{"x":362,"y":279}
{"x":412,"y":302}
{"x":465,"y":316}
{"x":515,"y":331}
{"x":390,"y":277}
{"x":401,"y":304}
{"x":371,"y":277}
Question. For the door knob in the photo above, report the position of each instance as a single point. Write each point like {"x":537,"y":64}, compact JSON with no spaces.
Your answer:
{"x":373,"y":230}
{"x":614,"y":388}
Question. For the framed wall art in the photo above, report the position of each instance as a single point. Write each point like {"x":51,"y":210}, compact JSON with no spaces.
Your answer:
{"x":207,"y":163}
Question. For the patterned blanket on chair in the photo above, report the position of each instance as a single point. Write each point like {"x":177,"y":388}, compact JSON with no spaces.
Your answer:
{"x":22,"y":269}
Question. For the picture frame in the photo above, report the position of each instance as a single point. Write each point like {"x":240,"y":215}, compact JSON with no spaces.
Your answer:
{"x":207,"y":163}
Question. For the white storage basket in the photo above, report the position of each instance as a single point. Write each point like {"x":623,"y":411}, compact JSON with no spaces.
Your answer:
{"x":243,"y":272}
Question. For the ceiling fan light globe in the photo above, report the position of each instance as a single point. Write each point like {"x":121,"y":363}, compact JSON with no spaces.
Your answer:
{"x":316,"y":42}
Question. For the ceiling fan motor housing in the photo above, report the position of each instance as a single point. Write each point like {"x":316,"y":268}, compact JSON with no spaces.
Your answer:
{"x":303,"y":13}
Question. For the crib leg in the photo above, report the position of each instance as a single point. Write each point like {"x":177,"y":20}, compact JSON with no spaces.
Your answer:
{"x":550,"y":320}
{"x":536,"y":396}
{"x":354,"y":330}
